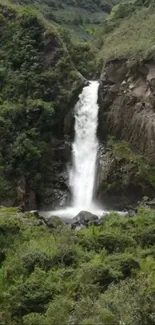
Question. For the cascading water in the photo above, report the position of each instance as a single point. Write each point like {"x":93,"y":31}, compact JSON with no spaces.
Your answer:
{"x":84,"y":151}
{"x":85,"y":148}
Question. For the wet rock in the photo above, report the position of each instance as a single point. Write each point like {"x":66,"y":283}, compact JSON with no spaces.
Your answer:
{"x":131,"y":213}
{"x":75,"y":223}
{"x":35,"y":213}
{"x":55,"y":198}
{"x":102,"y":220}
{"x":86,"y":218}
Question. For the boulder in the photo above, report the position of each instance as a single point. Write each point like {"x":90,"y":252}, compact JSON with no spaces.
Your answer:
{"x":86,"y":218}
{"x":131,"y":213}
{"x":34,"y":213}
{"x":102,"y":220}
{"x":75,"y":224}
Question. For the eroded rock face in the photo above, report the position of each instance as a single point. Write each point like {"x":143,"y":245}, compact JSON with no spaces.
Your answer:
{"x":127,"y":104}
{"x":118,"y":185}
{"x":56,"y":192}
{"x":127,"y":112}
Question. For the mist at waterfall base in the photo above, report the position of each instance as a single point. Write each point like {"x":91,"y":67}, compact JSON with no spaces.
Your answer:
{"x":82,"y":175}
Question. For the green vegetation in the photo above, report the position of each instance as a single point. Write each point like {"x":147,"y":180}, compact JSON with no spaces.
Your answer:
{"x":98,"y":275}
{"x":81,"y":17}
{"x":38,"y":80}
{"x":133,"y":167}
{"x":128,"y":32}
{"x":40,"y":70}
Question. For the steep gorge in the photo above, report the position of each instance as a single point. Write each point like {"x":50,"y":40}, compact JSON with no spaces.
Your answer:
{"x":40,"y":86}
{"x":86,"y":270}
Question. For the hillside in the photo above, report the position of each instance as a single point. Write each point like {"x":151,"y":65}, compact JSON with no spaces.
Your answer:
{"x":80,"y":17}
{"x":98,"y":275}
{"x":38,"y":84}
{"x":42,"y":74}
{"x":128,"y":32}
{"x":126,"y":64}
{"x":88,"y":270}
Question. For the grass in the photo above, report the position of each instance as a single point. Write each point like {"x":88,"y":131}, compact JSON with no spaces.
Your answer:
{"x":77,"y":277}
{"x":133,"y":38}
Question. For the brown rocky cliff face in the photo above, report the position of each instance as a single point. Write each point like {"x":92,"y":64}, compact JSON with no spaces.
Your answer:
{"x":127,"y":104}
{"x":127,"y":112}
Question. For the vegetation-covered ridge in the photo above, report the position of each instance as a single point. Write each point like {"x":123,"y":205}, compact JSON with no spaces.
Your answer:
{"x":98,"y":275}
{"x":38,"y":80}
{"x":128,"y":32}
{"x":81,"y":17}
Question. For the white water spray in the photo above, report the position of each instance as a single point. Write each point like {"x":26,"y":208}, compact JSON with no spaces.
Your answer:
{"x":84,"y":151}
{"x":85,"y":148}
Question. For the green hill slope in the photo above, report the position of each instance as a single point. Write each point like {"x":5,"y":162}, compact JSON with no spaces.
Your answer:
{"x":98,"y":275}
{"x":79,"y":16}
{"x":129,"y":31}
{"x":38,"y":79}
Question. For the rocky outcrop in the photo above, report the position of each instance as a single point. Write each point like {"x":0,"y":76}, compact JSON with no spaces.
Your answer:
{"x":85,"y":218}
{"x":120,"y":186}
{"x":55,"y":192}
{"x":127,"y":112}
{"x":127,"y":104}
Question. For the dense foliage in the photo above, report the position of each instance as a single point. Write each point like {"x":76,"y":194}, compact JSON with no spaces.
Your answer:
{"x":124,"y":35}
{"x":91,"y":5}
{"x":98,"y":275}
{"x":37,"y":82}
{"x":80,"y":16}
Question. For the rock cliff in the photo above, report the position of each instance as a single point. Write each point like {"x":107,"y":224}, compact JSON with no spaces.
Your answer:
{"x":127,"y":112}
{"x":127,"y":101}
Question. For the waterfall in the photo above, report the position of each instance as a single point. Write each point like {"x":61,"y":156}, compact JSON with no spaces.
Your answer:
{"x":82,"y":174}
{"x":85,"y":148}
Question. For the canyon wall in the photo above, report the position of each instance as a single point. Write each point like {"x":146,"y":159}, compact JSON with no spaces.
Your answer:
{"x":127,"y":113}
